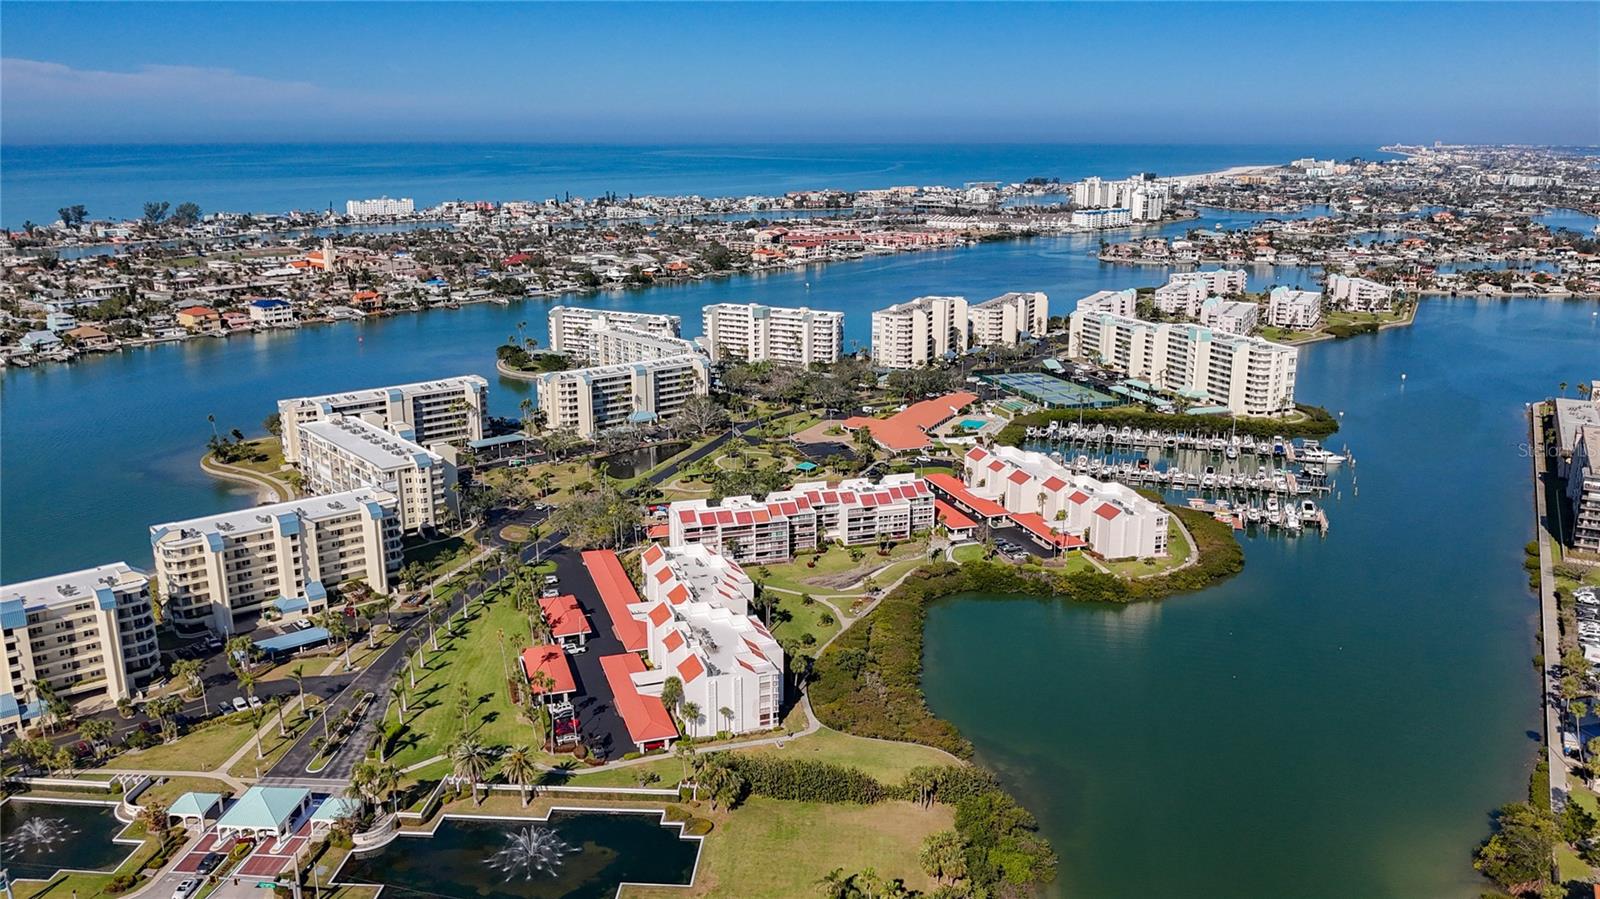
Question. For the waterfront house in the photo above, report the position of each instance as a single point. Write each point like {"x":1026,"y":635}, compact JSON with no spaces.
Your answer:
{"x":90,"y":337}
{"x":271,"y":313}
{"x":198,"y":318}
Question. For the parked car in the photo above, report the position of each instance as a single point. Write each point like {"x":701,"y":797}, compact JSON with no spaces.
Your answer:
{"x":253,"y":701}
{"x":303,"y":624}
{"x":239,"y":705}
{"x":186,"y":889}
{"x":551,"y":580}
{"x":210,"y":862}
{"x":550,"y":592}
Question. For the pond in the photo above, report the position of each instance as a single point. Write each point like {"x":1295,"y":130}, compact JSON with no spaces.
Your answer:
{"x":632,"y":463}
{"x":40,"y":837}
{"x":579,"y":854}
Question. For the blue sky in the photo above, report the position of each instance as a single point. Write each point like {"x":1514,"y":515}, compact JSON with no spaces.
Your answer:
{"x":1191,"y":73}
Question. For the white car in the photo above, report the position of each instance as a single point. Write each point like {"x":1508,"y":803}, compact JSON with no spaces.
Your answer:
{"x":303,"y":625}
{"x":253,"y":701}
{"x":239,"y":704}
{"x":186,"y":889}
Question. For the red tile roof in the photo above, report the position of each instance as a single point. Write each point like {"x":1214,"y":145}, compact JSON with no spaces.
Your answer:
{"x":658,"y":532}
{"x":907,"y":430}
{"x":553,"y":662}
{"x":1107,"y":511}
{"x":646,"y":718}
{"x":952,"y":486}
{"x":660,"y":614}
{"x":617,"y":592}
{"x":691,"y":668}
{"x":652,"y":554}
{"x":672,"y":641}
{"x":952,"y":517}
{"x":566,"y":619}
{"x":1034,"y":523}
{"x":1018,"y":477}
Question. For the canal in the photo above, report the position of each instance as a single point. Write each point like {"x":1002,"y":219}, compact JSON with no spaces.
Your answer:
{"x":1341,"y":718}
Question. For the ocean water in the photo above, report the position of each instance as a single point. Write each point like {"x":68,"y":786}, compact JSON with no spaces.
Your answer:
{"x":116,"y":181}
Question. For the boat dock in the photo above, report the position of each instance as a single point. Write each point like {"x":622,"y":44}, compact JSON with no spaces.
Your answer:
{"x":1231,"y":445}
{"x":1270,"y":480}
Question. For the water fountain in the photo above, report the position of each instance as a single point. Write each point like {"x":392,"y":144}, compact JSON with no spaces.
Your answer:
{"x":37,"y":835}
{"x":533,"y":850}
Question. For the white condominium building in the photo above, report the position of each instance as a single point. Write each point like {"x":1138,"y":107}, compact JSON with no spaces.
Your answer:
{"x":449,"y":410}
{"x":696,"y":612}
{"x":572,"y":328}
{"x":220,"y":570}
{"x":1116,"y":302}
{"x":1092,"y":192}
{"x":1247,"y":375}
{"x":1221,"y":281}
{"x":1113,"y":519}
{"x":1231,"y":316}
{"x":88,"y":635}
{"x":916,"y":333}
{"x":1295,"y":310}
{"x":590,"y":400}
{"x":1102,"y":218}
{"x":1359,"y":294}
{"x":1180,"y":299}
{"x":1583,"y":489}
{"x":756,"y":333}
{"x":1008,"y":317}
{"x":855,"y":512}
{"x":381,"y":206}
{"x":616,"y":345}
{"x":1146,"y":205}
{"x":343,"y":453}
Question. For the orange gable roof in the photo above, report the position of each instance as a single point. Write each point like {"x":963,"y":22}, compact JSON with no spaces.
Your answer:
{"x":553,"y":662}
{"x":646,"y":718}
{"x":691,"y":668}
{"x":617,"y":592}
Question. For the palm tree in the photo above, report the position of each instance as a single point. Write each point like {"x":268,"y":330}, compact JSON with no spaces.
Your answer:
{"x":469,"y":761}
{"x":691,"y":712}
{"x":189,"y":670}
{"x":944,"y":857}
{"x":518,"y":767}
{"x":298,"y":675}
{"x":686,"y":753}
{"x":672,"y":693}
{"x":722,"y":784}
{"x":397,"y":692}
{"x":727,"y":717}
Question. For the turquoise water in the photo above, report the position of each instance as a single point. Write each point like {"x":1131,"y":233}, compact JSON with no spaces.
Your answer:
{"x":96,"y":451}
{"x":1341,"y":718}
{"x":70,"y":836}
{"x":602,"y":851}
{"x":115,"y":181}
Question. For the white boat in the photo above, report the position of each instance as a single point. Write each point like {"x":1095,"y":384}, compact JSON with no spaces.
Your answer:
{"x":1291,"y":520}
{"x":1272,"y":505}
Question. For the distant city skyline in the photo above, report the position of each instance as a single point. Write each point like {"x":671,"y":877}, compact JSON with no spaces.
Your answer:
{"x":666,"y":73}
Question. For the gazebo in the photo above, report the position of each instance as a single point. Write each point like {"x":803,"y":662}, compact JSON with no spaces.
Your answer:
{"x":196,"y":808}
{"x":333,"y":810}
{"x":264,"y":811}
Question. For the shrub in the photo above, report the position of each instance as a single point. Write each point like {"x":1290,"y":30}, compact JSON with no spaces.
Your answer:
{"x":697,"y":827}
{"x":804,"y":780}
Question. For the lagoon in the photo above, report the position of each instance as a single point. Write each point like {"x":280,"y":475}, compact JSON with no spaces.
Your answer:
{"x":1342,"y":717}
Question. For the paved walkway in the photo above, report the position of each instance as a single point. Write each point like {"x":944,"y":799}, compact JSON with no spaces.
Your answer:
{"x":1549,"y":621}
{"x":272,"y":489}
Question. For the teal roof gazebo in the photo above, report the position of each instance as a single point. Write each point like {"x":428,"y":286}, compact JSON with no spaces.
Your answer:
{"x":264,"y":810}
{"x":198,"y":806}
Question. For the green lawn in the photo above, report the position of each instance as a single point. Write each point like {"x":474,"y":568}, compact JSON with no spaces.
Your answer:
{"x":174,"y":787}
{"x":1571,"y":866}
{"x":970,"y":552}
{"x":835,"y":566}
{"x":767,"y":848}
{"x":886,"y":760}
{"x":441,"y":555}
{"x":802,"y":619}
{"x":266,"y":456}
{"x":475,"y":660}
{"x":204,"y":749}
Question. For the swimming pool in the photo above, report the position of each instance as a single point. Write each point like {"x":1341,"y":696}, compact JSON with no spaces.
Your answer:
{"x":973,"y":424}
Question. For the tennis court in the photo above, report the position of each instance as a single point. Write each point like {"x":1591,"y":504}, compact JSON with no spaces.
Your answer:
{"x":1051,"y":392}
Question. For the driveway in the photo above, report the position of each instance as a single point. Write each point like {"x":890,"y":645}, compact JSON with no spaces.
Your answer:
{"x":603,"y":728}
